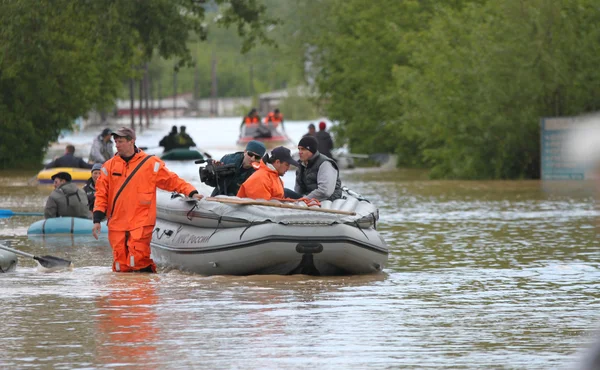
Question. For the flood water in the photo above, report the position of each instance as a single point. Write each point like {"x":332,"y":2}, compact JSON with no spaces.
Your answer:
{"x":480,"y":275}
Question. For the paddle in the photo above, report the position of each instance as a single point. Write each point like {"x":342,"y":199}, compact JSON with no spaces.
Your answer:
{"x":46,"y":261}
{"x":278,"y":205}
{"x":10,"y":213}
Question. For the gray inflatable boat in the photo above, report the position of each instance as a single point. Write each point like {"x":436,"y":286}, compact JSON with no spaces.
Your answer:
{"x":237,"y":236}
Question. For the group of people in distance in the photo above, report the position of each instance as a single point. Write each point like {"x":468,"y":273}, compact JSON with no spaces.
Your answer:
{"x":258,"y":128}
{"x":67,"y":200}
{"x":177,"y":140}
{"x":323,"y":138}
{"x":123,"y":189}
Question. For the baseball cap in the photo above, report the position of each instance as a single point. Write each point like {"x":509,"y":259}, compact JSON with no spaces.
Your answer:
{"x":125,"y":131}
{"x":96,"y":167}
{"x":105,"y":132}
{"x":283,"y":154}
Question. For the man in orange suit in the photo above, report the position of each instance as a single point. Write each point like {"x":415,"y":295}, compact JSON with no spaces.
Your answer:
{"x":126,"y":195}
{"x":266,"y":182}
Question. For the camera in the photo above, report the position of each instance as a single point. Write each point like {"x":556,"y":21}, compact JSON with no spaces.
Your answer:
{"x":213,"y":172}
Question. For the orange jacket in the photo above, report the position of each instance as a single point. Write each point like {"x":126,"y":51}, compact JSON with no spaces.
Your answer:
{"x":275,"y":118}
{"x":136,"y":206}
{"x":250,"y":121}
{"x":262,"y":184}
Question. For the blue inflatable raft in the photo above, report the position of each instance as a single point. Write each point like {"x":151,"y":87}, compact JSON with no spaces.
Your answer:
{"x":64,"y":225}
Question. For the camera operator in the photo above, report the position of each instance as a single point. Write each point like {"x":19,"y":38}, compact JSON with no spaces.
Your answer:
{"x":230,"y":173}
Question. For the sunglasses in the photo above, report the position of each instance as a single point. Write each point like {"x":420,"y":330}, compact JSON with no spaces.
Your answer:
{"x":256,"y":156}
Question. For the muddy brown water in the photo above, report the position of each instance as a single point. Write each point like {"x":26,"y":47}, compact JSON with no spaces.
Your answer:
{"x":480,"y":275}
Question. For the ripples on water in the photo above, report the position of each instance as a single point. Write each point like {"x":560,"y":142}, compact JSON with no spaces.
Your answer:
{"x":480,"y":275}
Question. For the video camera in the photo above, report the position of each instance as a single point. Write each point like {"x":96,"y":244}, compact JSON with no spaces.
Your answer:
{"x":213,"y":172}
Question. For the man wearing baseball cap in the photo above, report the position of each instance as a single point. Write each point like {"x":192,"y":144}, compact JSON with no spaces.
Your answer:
{"x":67,"y":200}
{"x":266,"y":182}
{"x":126,"y":196}
{"x":317,"y":176}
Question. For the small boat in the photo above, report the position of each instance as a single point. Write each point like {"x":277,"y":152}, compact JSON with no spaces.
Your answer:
{"x":79,"y":175}
{"x":181,"y":154}
{"x":236,"y":236}
{"x":275,"y":137}
{"x":8,"y":261}
{"x":64,"y":225}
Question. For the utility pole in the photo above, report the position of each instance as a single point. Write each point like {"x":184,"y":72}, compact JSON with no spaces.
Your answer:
{"x":196,"y":82}
{"x":146,"y":94}
{"x":151,"y":95}
{"x":252,"y":80}
{"x":132,"y":104}
{"x":159,"y":98}
{"x":140,"y":101}
{"x":213,"y":89}
{"x":175,"y":94}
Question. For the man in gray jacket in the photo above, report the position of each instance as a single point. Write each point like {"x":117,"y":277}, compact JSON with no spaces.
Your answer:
{"x":67,"y":200}
{"x":317,"y":176}
{"x":102,"y":147}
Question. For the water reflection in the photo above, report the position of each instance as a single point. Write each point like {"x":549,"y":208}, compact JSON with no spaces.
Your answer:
{"x":126,"y":320}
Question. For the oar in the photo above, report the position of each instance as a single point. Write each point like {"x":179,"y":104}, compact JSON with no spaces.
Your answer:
{"x":46,"y":261}
{"x":278,"y":205}
{"x":9,"y":213}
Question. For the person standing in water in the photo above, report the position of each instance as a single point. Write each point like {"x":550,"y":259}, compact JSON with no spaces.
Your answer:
{"x":126,"y":195}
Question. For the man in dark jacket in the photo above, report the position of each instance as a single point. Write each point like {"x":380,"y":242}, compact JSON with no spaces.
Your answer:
{"x":183,"y":139}
{"x":312,"y":131}
{"x":67,"y":200}
{"x":90,"y":185}
{"x":170,"y":141}
{"x":317,"y":176}
{"x":69,"y":160}
{"x":242,"y":162}
{"x":325,"y":140}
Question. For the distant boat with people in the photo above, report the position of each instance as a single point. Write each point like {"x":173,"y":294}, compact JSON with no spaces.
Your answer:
{"x":270,"y":130}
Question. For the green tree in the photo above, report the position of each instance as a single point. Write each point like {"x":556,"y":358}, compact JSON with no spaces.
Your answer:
{"x":62,"y":58}
{"x":481,"y":78}
{"x":355,"y":49}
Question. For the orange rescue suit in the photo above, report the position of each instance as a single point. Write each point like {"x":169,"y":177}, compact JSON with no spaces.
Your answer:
{"x":275,"y":118}
{"x":251,"y":121}
{"x":131,"y":222}
{"x":262,"y":184}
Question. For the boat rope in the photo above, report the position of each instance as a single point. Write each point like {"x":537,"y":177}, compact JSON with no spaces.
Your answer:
{"x":361,"y":230}
{"x":216,"y":228}
{"x":247,"y":227}
{"x":167,"y":232}
{"x":192,"y":210}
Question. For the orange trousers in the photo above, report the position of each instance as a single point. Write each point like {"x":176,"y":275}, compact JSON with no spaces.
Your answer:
{"x":131,"y":249}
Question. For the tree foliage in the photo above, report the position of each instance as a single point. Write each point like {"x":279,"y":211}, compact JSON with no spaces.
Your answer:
{"x":62,"y":58}
{"x":480,"y":78}
{"x":456,"y":86}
